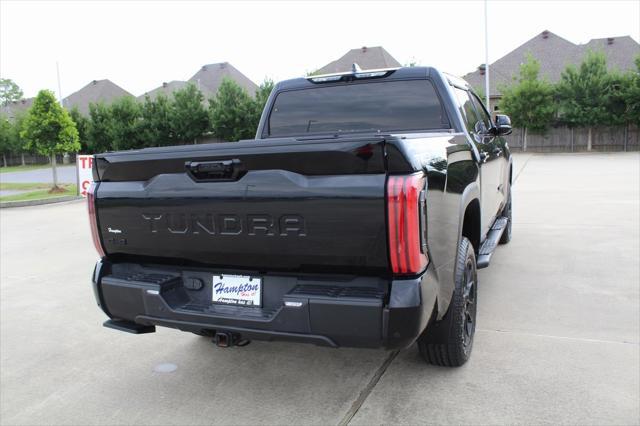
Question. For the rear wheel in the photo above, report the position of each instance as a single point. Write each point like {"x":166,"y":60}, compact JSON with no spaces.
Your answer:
{"x":448,"y":342}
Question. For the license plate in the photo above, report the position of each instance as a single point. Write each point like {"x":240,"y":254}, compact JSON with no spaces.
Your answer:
{"x":240,"y":290}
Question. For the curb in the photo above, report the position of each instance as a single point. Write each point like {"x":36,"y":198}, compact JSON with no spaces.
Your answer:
{"x":9,"y":204}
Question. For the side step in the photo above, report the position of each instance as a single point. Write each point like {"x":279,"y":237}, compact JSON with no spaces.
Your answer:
{"x":490,"y":244}
{"x":129,"y":327}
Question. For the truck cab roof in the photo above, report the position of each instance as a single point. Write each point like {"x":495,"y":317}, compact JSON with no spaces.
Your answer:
{"x":386,"y":73}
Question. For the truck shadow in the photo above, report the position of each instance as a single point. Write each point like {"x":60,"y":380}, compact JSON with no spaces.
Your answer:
{"x":264,"y":382}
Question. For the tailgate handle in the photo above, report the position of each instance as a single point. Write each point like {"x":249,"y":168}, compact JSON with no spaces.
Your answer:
{"x":207,"y":171}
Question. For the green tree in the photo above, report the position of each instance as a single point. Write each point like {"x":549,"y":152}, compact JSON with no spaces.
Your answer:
{"x":124,"y":120}
{"x":82,"y":124}
{"x":157,"y":120}
{"x":529,"y":101}
{"x":17,"y":141}
{"x":49,"y":130}
{"x":11,"y":141}
{"x":99,"y":128}
{"x":263,"y":92}
{"x":232,"y":112}
{"x":584,"y":94}
{"x":260,"y":100}
{"x":6,"y":129}
{"x":190,"y":119}
{"x":631,"y":95}
{"x":615,"y":98}
{"x":623,"y":100}
{"x":9,"y":91}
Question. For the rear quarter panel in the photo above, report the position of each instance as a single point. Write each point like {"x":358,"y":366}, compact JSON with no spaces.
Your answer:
{"x":452,"y":183}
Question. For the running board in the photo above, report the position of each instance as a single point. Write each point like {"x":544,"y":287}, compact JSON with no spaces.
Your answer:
{"x":129,"y":326}
{"x":490,"y":244}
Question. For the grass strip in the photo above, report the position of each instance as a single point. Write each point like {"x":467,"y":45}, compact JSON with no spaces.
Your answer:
{"x":41,"y":194}
{"x":20,"y":186}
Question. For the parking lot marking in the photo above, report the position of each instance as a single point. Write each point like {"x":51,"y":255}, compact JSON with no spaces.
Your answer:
{"x":550,"y":336}
{"x":366,"y":391}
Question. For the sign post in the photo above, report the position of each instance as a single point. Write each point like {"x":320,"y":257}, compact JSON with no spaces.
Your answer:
{"x":84,"y":163}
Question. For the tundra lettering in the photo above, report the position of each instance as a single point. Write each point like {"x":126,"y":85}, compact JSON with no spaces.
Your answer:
{"x":226,"y":224}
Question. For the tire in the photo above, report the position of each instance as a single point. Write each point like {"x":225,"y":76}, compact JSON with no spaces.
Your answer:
{"x":508,"y":213}
{"x":449,"y":342}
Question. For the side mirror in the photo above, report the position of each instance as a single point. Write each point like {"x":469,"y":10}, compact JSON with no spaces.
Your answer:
{"x":503,"y":125}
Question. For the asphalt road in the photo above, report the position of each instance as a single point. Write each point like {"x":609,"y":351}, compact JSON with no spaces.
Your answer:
{"x":66,"y":174}
{"x":558,"y":338}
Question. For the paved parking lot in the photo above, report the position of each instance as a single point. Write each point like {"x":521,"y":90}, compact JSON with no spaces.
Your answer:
{"x":66,"y":174}
{"x":558,"y":338}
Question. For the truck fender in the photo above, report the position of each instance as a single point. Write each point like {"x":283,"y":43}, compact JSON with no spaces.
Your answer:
{"x":470,"y":193}
{"x":446,"y":277}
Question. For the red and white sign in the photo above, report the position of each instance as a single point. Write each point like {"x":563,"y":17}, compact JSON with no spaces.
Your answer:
{"x":84,"y":163}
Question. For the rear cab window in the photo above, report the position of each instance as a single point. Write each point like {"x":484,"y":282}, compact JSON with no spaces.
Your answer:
{"x":381,"y":106}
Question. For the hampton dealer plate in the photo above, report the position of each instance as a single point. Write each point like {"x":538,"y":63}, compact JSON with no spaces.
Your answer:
{"x":240,"y":290}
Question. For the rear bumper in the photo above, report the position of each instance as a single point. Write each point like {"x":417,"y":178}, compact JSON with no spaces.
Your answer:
{"x":358,"y":312}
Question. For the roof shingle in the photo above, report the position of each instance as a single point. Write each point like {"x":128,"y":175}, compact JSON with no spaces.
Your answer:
{"x":166,"y":89}
{"x":366,"y":57}
{"x":96,"y":91}
{"x":554,"y":54}
{"x":209,"y":78}
{"x":15,"y":108}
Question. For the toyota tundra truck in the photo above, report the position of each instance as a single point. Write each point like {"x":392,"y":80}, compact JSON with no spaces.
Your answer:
{"x":357,"y":217}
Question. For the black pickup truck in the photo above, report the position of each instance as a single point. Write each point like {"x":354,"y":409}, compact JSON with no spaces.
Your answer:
{"x":357,"y":217}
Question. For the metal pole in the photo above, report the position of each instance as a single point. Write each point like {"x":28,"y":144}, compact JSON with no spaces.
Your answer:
{"x":59,"y":86}
{"x":65,"y":156}
{"x":77,"y":176}
{"x":486,"y":53}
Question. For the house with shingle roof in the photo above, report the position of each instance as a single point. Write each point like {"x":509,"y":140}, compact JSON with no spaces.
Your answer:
{"x":366,"y":57}
{"x":166,"y":89}
{"x":15,"y":108}
{"x":96,"y":91}
{"x":554,"y":54}
{"x":209,"y":78}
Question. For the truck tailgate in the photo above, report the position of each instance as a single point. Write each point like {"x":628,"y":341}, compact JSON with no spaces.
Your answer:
{"x":296,"y":205}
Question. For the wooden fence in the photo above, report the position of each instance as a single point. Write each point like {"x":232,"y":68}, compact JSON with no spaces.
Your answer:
{"x":30,"y":159}
{"x":565,"y":139}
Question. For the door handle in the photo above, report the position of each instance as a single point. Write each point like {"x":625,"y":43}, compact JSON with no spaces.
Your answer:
{"x":208,"y":171}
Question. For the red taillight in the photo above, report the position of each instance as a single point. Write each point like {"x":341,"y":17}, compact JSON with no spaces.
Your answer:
{"x":93,"y":221}
{"x":406,"y":249}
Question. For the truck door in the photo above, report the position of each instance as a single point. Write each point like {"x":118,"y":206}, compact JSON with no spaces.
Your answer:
{"x":491,"y":154}
{"x":496,"y":149}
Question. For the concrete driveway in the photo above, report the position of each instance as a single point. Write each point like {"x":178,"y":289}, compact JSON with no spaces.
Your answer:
{"x":66,"y":174}
{"x":558,"y":338}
